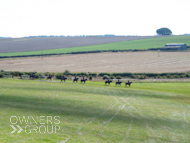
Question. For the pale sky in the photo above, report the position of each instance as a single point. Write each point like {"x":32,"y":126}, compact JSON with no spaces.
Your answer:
{"x":19,"y":18}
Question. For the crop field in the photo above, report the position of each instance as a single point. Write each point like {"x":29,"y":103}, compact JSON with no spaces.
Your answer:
{"x":10,"y":45}
{"x":40,"y":46}
{"x":135,"y":62}
{"x":92,"y":112}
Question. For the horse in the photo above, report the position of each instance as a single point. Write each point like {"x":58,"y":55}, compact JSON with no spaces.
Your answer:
{"x":75,"y":79}
{"x":118,"y":83}
{"x":108,"y":82}
{"x":32,"y":76}
{"x":83,"y":80}
{"x":128,"y":83}
{"x":49,"y":77}
{"x":63,"y":78}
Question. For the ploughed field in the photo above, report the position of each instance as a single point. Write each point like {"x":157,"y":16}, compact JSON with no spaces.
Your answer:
{"x":92,"y":112}
{"x":10,"y":45}
{"x":139,"y":62}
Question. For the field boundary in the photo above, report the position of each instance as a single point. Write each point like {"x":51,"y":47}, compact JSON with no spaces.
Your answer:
{"x":90,"y":52}
{"x":80,"y":52}
{"x":55,"y":79}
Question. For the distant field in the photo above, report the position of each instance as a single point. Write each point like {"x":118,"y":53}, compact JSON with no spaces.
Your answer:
{"x":10,"y":45}
{"x":135,"y":62}
{"x":132,"y":44}
{"x":92,"y":112}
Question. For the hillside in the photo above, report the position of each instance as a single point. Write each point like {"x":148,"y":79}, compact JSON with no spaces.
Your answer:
{"x":10,"y":45}
{"x":55,"y":45}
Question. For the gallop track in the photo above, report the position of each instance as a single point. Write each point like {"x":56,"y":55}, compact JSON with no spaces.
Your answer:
{"x":148,"y":112}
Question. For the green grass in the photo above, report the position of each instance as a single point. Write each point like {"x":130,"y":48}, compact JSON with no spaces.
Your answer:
{"x":135,"y":44}
{"x":92,"y":112}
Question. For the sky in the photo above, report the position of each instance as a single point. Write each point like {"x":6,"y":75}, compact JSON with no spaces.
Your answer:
{"x":19,"y":18}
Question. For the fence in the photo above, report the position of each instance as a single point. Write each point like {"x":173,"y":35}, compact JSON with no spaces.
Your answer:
{"x":161,"y":81}
{"x":154,"y":80}
{"x":8,"y":76}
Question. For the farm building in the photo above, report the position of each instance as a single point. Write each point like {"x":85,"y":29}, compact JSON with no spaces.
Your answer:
{"x":174,"y":46}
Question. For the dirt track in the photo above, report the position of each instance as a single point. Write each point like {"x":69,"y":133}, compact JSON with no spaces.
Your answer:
{"x":149,"y":62}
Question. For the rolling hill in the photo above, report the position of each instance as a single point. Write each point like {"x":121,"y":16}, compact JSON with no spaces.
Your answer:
{"x":10,"y":45}
{"x":60,"y":45}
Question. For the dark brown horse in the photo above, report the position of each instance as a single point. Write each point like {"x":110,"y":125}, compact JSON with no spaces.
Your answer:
{"x":49,"y":77}
{"x":63,"y":78}
{"x":32,"y":76}
{"x":128,"y":83}
{"x":75,"y":79}
{"x":108,"y":82}
{"x":118,"y":82}
{"x":83,"y":80}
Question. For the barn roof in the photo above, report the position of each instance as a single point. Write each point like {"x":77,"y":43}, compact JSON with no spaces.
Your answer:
{"x":172,"y":47}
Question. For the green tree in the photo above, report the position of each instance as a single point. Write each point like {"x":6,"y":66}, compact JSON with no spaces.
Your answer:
{"x":163,"y":31}
{"x":118,"y":77}
{"x":90,"y":78}
{"x":105,"y":77}
{"x":66,"y":72}
{"x":1,"y":75}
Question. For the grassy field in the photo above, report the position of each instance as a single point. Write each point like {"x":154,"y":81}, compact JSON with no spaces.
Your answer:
{"x":92,"y":112}
{"x":134,"y":44}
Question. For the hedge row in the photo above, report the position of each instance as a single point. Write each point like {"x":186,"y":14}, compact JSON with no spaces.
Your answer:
{"x":85,"y":52}
{"x":80,"y":52}
{"x":147,"y":75}
{"x":109,"y":75}
{"x":37,"y":75}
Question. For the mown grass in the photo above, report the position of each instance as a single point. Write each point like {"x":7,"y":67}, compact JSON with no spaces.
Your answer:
{"x":127,"y":45}
{"x":92,"y":112}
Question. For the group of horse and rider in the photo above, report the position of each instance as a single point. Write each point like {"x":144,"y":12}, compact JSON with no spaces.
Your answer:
{"x":83,"y":80}
{"x":63,"y":78}
{"x":108,"y":81}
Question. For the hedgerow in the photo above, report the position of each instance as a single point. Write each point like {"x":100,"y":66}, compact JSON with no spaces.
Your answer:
{"x":110,"y":75}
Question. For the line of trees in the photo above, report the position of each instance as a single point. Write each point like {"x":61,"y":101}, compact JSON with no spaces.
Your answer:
{"x":95,"y":75}
{"x":106,"y":35}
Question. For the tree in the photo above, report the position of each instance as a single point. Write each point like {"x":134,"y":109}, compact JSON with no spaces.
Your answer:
{"x":105,"y":77}
{"x":66,"y":72}
{"x":163,"y":31}
{"x":1,"y":75}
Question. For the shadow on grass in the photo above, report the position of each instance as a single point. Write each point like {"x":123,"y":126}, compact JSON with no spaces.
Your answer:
{"x":109,"y":91}
{"x":54,"y":106}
